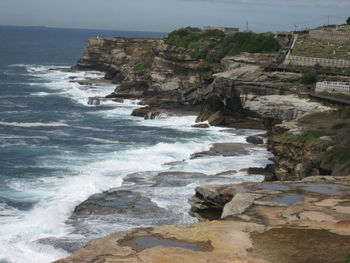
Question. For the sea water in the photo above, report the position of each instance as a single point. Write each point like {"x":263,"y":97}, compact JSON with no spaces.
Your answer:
{"x":56,"y":150}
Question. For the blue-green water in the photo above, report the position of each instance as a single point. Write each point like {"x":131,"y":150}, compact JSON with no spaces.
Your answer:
{"x":56,"y":151}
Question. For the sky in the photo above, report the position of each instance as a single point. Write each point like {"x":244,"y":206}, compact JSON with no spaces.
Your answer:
{"x":167,"y":15}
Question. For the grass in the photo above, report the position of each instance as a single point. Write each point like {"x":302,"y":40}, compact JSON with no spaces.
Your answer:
{"x":340,"y":153}
{"x":346,"y":259}
{"x":336,"y":95}
{"x":310,"y":138}
{"x":145,"y":64}
{"x":336,"y":125}
{"x":308,"y":47}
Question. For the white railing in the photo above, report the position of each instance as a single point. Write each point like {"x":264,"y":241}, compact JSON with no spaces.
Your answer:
{"x":333,"y":87}
{"x":321,"y":61}
{"x":295,"y":38}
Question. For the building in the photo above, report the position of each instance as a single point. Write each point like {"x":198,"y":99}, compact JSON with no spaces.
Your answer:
{"x":226,"y":30}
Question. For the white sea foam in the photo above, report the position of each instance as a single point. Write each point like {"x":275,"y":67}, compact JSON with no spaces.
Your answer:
{"x":99,"y":140}
{"x":40,"y":94}
{"x":59,"y":82}
{"x":86,"y":174}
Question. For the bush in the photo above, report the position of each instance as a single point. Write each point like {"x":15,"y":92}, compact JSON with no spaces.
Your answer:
{"x":183,"y":37}
{"x":213,"y":45}
{"x":348,"y":21}
{"x":145,"y":64}
{"x":309,"y":77}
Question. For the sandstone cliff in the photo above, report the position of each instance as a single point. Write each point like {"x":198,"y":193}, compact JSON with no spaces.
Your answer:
{"x":166,"y":76}
{"x":316,"y":144}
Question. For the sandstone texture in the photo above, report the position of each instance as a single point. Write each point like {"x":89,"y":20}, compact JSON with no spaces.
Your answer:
{"x":304,"y":221}
{"x":167,"y":78}
{"x":316,"y":144}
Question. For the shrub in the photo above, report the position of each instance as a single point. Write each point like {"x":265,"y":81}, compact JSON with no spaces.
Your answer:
{"x":309,"y":77}
{"x":213,"y":45}
{"x":348,"y":21}
{"x":145,"y":64}
{"x":183,"y":37}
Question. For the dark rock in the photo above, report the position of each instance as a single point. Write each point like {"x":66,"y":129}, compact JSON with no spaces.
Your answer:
{"x":255,"y":140}
{"x":224,"y":149}
{"x":69,"y":245}
{"x":267,"y":171}
{"x":201,"y":125}
{"x":216,"y":119}
{"x":117,"y":202}
{"x":148,"y":112}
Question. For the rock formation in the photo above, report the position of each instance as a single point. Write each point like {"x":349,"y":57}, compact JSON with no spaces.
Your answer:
{"x":168,"y":78}
{"x":302,"y":222}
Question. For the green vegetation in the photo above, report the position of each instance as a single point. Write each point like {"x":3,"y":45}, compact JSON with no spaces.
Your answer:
{"x":336,"y":95}
{"x":145,"y":64}
{"x":340,"y":154}
{"x":335,"y":148}
{"x":309,"y":77}
{"x":347,"y":258}
{"x":213,"y":45}
{"x":308,"y":47}
{"x":343,"y":113}
{"x":310,"y":138}
{"x":348,"y":22}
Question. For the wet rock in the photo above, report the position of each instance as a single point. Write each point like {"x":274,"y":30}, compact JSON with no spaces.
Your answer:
{"x":267,"y":171}
{"x":145,"y":242}
{"x":117,"y":202}
{"x":224,"y":149}
{"x":226,"y":173}
{"x":255,"y":140}
{"x":260,"y":224}
{"x":149,"y":112}
{"x":176,"y":179}
{"x":201,"y":242}
{"x":69,"y":245}
{"x":234,"y":200}
{"x":201,"y":125}
{"x":216,"y":119}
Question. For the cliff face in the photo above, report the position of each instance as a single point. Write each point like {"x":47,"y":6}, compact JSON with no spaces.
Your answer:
{"x":317,"y":144}
{"x":144,"y":66}
{"x":164,"y":75}
{"x":239,"y":94}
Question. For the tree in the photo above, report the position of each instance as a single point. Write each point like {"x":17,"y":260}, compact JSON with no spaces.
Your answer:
{"x":348,"y":21}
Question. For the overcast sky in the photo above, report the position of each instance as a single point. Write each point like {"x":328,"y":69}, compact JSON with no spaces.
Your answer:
{"x":166,"y":15}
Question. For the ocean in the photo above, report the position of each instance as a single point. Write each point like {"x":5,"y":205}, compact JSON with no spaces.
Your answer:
{"x":56,"y":150}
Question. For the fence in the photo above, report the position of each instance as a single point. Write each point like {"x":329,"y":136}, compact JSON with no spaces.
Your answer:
{"x":332,"y":87}
{"x":310,"y":61}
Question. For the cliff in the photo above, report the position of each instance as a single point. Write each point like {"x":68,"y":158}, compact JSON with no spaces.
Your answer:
{"x":249,"y":222}
{"x":172,"y":80}
{"x":317,"y":144}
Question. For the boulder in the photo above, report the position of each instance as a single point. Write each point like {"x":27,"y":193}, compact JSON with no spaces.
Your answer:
{"x":117,"y":202}
{"x":216,"y":119}
{"x":239,"y":204}
{"x":255,"y":140}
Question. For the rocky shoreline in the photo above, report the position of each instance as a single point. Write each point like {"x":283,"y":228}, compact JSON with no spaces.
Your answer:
{"x":249,"y":222}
